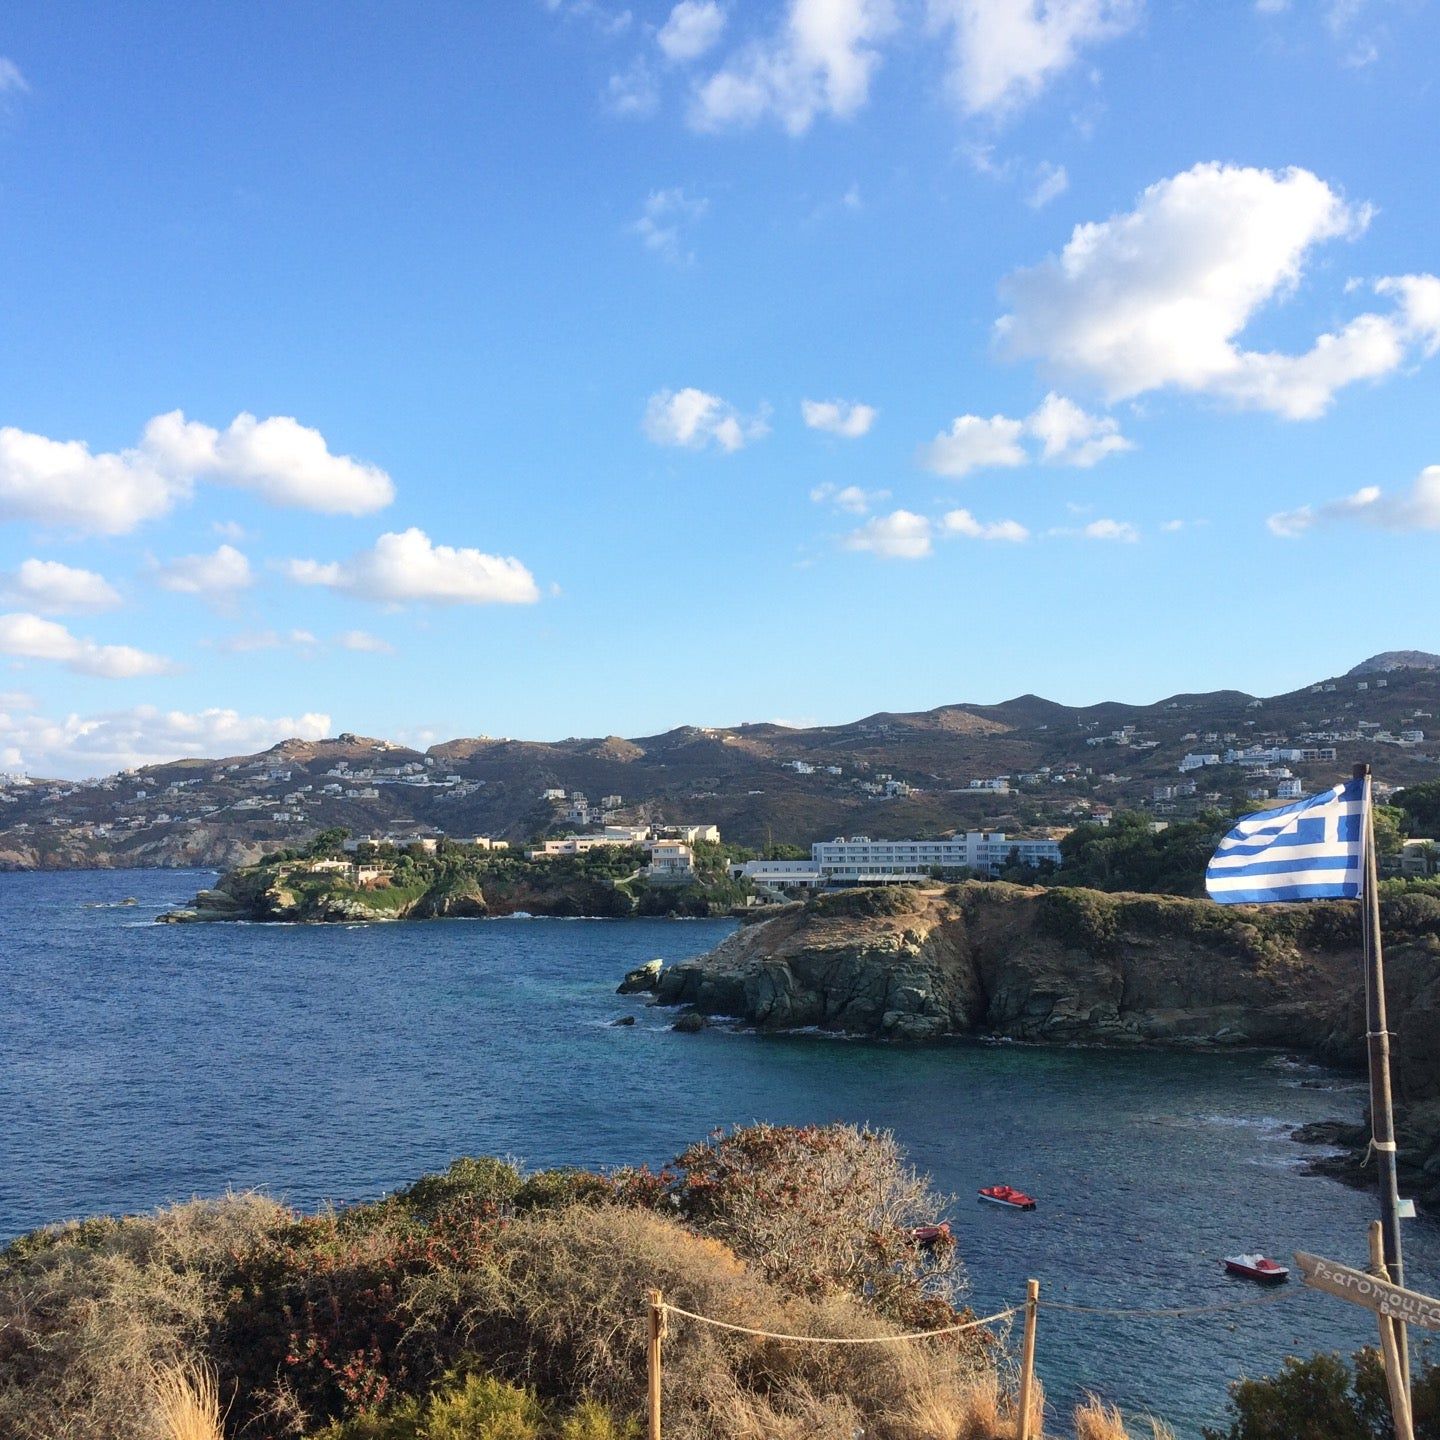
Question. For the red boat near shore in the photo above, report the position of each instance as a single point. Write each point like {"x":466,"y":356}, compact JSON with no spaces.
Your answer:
{"x":1256,"y":1267}
{"x":1008,"y":1196}
{"x":926,"y":1236}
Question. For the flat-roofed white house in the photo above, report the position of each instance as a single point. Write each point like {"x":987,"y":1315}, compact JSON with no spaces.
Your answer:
{"x":860,"y":860}
{"x":671,"y":860}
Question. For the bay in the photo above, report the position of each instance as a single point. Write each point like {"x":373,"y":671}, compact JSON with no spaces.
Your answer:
{"x":141,"y":1064}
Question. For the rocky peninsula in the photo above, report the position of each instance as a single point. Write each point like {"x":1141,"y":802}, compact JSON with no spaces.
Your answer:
{"x":1083,"y":966}
{"x":454,"y":882}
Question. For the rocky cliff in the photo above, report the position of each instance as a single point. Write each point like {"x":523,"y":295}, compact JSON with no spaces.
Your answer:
{"x":1082,"y":966}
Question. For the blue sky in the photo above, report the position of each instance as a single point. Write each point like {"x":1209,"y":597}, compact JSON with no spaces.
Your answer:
{"x":571,"y":367}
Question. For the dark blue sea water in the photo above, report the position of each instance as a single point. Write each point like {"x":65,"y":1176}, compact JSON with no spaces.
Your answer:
{"x":142,"y":1063}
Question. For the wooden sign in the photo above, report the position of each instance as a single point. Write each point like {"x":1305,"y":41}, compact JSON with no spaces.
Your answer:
{"x":1364,"y":1289}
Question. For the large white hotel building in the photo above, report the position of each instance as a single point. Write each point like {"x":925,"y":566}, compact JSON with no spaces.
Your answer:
{"x":860,"y":860}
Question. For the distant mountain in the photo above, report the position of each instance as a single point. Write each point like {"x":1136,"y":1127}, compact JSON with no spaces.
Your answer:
{"x":1022,"y":764}
{"x":1389,"y":660}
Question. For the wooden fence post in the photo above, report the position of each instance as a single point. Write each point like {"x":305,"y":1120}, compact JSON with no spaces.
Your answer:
{"x":657,"y":1331}
{"x":1027,"y":1357}
{"x":1390,"y":1349}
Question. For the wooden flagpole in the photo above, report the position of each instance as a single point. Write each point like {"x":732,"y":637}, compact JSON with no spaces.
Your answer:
{"x":1377,"y":1036}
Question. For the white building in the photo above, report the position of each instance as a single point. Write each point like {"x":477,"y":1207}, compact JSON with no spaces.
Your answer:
{"x":671,"y":860}
{"x":780,"y":874}
{"x":1290,"y":790}
{"x":860,"y":859}
{"x":1195,"y":761}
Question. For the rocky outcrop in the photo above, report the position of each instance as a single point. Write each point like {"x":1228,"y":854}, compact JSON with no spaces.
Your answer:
{"x":904,"y":972}
{"x":642,"y":980}
{"x":1082,"y":966}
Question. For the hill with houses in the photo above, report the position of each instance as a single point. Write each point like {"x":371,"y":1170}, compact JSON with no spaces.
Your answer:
{"x":1026,"y":765}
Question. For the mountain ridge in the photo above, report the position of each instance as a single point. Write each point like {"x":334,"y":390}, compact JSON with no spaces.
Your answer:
{"x":1024,"y":763}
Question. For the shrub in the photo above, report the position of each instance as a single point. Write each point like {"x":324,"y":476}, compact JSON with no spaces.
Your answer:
{"x":1323,"y":1398}
{"x":570,"y":1323}
{"x":473,"y":1407}
{"x":865,"y":901}
{"x":822,"y":1209}
{"x":590,"y":1420}
{"x":89,"y":1313}
{"x":1084,"y":919}
{"x":480,"y":1185}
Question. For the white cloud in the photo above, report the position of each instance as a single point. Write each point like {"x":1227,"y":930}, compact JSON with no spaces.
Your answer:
{"x":819,"y":62}
{"x":972,"y":443}
{"x":849,"y":419}
{"x":229,"y":530}
{"x":1067,"y":434}
{"x":1159,"y":296}
{"x":632,"y":94}
{"x":1051,"y":181}
{"x":29,"y":637}
{"x":693,"y":419}
{"x":56,"y":589}
{"x":850,"y":498}
{"x":1070,"y":436}
{"x":12,"y":82}
{"x":693,"y":27}
{"x":408,"y":566}
{"x":281,"y":460}
{"x":1118,"y":530}
{"x":666,"y":216}
{"x":963,"y":523}
{"x":218,"y":574}
{"x":101,"y":744}
{"x":1417,"y":509}
{"x":900,"y":535}
{"x":364,"y":642}
{"x":1004,"y":52}
{"x":249,"y":641}
{"x":609,"y":22}
{"x":64,"y":483}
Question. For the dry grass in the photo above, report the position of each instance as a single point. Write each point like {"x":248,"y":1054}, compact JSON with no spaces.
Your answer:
{"x":570,"y":1304}
{"x":1095,"y":1420}
{"x":187,"y":1403}
{"x":89,"y":1312}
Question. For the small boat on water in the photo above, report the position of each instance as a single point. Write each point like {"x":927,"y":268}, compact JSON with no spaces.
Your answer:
{"x":1256,"y":1267}
{"x":1008,"y":1196}
{"x":927,"y":1236}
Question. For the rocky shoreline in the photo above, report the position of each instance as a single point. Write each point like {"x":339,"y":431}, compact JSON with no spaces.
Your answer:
{"x":1074,"y":966}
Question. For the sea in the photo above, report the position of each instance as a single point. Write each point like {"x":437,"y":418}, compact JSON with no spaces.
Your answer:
{"x":142,"y":1064}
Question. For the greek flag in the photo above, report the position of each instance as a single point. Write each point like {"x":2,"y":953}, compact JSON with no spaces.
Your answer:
{"x":1307,"y":851}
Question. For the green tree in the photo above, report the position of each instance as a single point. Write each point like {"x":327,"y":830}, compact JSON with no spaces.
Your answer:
{"x":1389,"y":829}
{"x":1421,"y":806}
{"x":1322,"y":1398}
{"x":329,"y":842}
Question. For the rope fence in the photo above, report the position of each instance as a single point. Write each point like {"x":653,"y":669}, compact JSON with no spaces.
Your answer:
{"x":660,"y":1311}
{"x":669,"y":1309}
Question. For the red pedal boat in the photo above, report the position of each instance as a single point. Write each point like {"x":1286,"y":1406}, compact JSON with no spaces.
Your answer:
{"x":1008,"y":1196}
{"x":1256,"y":1267}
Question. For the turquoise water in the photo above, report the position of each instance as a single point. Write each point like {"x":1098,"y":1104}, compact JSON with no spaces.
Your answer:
{"x":142,"y":1063}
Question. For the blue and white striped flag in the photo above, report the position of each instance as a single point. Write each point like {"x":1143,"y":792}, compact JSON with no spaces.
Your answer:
{"x":1308,"y":851}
